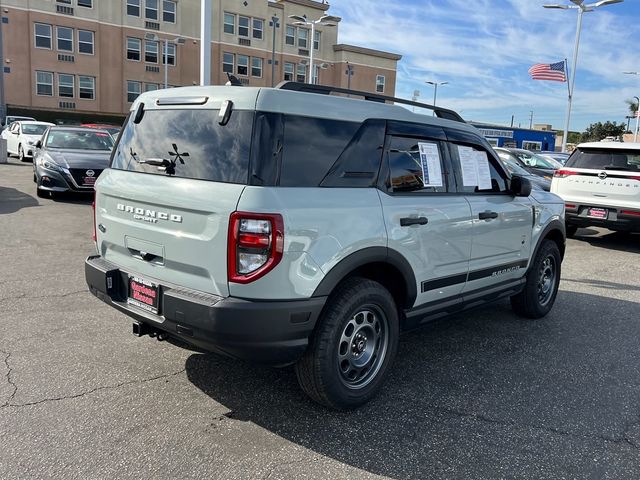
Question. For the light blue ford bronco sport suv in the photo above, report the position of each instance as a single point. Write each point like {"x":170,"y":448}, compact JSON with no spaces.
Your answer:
{"x":294,"y":226}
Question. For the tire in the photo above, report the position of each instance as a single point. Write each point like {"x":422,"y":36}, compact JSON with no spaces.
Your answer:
{"x":541,"y":287}
{"x":21,"y":156}
{"x":571,"y":230}
{"x":353,"y":347}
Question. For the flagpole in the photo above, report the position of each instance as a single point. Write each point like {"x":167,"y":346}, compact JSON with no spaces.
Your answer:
{"x":573,"y":80}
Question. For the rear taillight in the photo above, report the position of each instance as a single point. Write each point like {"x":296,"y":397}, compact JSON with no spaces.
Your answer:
{"x":93,"y":208}
{"x":570,"y":206}
{"x":562,"y":173}
{"x":256,"y":243}
{"x":630,"y":212}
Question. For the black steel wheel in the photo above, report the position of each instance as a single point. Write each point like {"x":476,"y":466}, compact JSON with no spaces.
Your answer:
{"x":353,"y":346}
{"x":541,"y":287}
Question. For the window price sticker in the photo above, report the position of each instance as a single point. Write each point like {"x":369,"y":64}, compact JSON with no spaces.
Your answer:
{"x":430,"y":162}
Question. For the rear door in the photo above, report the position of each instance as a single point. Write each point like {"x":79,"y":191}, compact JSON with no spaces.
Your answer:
{"x":162,"y":209}
{"x":425,"y":220}
{"x":502,"y":223}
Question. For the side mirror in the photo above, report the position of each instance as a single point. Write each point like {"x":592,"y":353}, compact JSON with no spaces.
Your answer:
{"x":520,"y":186}
{"x":39,"y":144}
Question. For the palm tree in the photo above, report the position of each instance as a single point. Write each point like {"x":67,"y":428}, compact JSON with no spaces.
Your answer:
{"x":633,"y":108}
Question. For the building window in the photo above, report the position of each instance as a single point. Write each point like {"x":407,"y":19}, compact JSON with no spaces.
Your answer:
{"x":256,"y":67}
{"x":301,"y":73}
{"x":151,"y":9}
{"x":169,"y":11}
{"x":290,"y":36}
{"x":171,"y":54}
{"x":43,"y":35}
{"x":289,"y":71}
{"x":258,"y":27}
{"x":87,"y":87}
{"x":133,"y":8}
{"x":243,"y":65}
{"x":228,"y":62}
{"x":133,"y":90}
{"x":243,"y":26}
{"x":314,"y":77}
{"x":85,"y":42}
{"x":150,"y":51}
{"x":65,"y":85}
{"x":44,"y":83}
{"x":85,"y":3}
{"x":303,"y":36}
{"x":67,"y":2}
{"x":316,"y":40}
{"x":380,"y":83}
{"x":150,"y":87}
{"x":133,"y":49}
{"x":229,"y":23}
{"x":64,"y":38}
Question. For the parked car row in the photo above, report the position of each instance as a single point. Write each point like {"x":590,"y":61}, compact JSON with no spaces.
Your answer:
{"x":65,"y":158}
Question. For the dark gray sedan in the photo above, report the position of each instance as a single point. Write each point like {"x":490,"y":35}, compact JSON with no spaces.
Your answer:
{"x":70,"y":159}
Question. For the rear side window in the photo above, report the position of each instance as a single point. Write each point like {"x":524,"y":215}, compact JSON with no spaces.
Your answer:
{"x":187,"y":143}
{"x":311,"y":147}
{"x":601,"y":159}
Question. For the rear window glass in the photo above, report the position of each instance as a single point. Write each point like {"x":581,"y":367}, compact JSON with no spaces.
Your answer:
{"x":187,"y":143}
{"x":30,"y":129}
{"x":626,"y":160}
{"x":79,"y":140}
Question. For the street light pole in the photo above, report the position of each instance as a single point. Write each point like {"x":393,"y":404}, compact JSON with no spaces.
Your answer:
{"x":635,"y":135}
{"x":582,"y":8}
{"x":165,"y":49}
{"x":166,"y":63}
{"x":274,"y":25}
{"x":435,"y":91}
{"x":326,"y":20}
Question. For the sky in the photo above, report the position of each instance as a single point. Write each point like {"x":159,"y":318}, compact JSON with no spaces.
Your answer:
{"x":484,"y":48}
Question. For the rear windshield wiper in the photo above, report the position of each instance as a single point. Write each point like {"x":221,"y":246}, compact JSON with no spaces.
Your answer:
{"x":157,"y":162}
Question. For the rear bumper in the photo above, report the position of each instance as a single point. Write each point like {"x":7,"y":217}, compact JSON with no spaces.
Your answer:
{"x":614,"y":221}
{"x":274,"y":333}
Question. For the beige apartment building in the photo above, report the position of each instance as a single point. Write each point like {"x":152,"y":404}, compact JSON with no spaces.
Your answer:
{"x":89,"y":59}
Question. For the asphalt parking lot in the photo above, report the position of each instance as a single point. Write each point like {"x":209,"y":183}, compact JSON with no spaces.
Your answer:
{"x":484,"y":394}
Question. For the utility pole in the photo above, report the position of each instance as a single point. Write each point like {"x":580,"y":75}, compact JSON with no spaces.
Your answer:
{"x":512,"y":118}
{"x":274,"y":24}
{"x":635,"y":135}
{"x":3,"y":107}
{"x":205,"y":42}
{"x":530,"y":119}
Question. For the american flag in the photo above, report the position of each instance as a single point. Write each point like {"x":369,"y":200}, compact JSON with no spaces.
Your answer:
{"x":545,"y":71}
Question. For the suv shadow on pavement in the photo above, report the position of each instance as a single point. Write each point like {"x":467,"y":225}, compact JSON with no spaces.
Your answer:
{"x":12,"y":200}
{"x":476,"y":396}
{"x":621,"y":241}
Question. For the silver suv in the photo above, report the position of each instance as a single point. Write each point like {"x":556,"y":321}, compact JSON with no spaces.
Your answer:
{"x":291,"y":226}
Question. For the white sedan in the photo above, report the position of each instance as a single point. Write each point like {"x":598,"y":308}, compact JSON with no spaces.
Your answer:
{"x":22,"y":137}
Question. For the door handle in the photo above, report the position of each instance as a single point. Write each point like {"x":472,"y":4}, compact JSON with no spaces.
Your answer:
{"x":487,"y":215}
{"x":408,"y":221}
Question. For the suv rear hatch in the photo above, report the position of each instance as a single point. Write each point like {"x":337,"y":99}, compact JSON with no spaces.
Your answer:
{"x":601,"y":176}
{"x":163,"y":208}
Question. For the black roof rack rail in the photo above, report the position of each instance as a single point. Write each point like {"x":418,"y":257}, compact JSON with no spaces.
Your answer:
{"x":372,"y":97}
